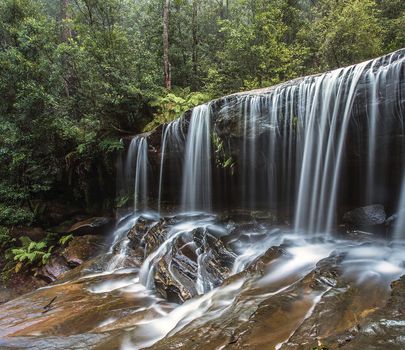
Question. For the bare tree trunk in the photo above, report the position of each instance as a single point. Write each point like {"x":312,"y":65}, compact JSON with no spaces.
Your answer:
{"x":66,"y":34}
{"x":166,"y":62}
{"x":195,"y":44}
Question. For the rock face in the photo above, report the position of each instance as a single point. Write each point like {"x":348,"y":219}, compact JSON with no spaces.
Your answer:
{"x":81,"y":249}
{"x":364,"y":217}
{"x":377,"y":327}
{"x":390,"y":222}
{"x":54,"y":268}
{"x":256,"y":132}
{"x":78,"y":250}
{"x":195,"y":264}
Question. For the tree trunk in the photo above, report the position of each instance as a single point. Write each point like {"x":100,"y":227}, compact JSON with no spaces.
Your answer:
{"x":195,"y":44}
{"x":65,"y":34}
{"x":166,"y":62}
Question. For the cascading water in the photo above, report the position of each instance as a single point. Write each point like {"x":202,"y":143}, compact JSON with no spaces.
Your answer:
{"x":135,"y":180}
{"x":324,"y":140}
{"x":133,"y":173}
{"x":197,"y":173}
{"x":139,"y":146}
{"x":172,"y":141}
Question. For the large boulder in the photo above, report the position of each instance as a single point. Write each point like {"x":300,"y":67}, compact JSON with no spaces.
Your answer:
{"x":53,"y":269}
{"x":79,"y":250}
{"x":365,"y":217}
{"x":82,"y":248}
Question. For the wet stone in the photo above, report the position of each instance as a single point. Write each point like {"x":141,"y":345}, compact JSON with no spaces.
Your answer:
{"x":370,"y":215}
{"x":194,"y":264}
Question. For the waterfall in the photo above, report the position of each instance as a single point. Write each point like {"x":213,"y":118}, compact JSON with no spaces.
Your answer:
{"x":137,"y":171}
{"x":172,"y":141}
{"x":197,"y":173}
{"x":324,"y":140}
{"x":304,"y":150}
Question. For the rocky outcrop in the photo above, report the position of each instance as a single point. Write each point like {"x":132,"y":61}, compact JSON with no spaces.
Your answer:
{"x":19,"y":284}
{"x":193,"y":262}
{"x":79,"y":250}
{"x":382,"y":328}
{"x":365,"y":217}
{"x":82,"y":248}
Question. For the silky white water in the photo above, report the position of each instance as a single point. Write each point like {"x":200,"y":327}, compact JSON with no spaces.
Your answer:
{"x":197,"y":173}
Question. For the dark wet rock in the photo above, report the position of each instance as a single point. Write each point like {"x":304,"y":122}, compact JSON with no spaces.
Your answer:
{"x":136,"y":236}
{"x":257,"y":267}
{"x":81,"y":249}
{"x":381,"y":328}
{"x":138,"y":232}
{"x":200,"y":252}
{"x":156,"y":235}
{"x":18,"y":284}
{"x":197,"y":255}
{"x":368,"y":216}
{"x":175,"y":276}
{"x":257,"y":319}
{"x":54,"y":268}
{"x":92,"y":226}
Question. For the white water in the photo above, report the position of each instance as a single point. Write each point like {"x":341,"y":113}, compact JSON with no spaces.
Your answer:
{"x":141,"y":173}
{"x":197,"y":173}
{"x":172,"y":140}
{"x":369,"y":262}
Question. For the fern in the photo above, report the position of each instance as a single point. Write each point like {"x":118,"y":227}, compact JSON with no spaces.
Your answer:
{"x":31,"y":253}
{"x":65,"y":239}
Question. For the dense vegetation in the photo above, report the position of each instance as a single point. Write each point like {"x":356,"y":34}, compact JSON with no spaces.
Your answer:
{"x":77,"y":76}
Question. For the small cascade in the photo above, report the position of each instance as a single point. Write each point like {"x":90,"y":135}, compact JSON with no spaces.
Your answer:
{"x":133,"y":180}
{"x":197,"y":173}
{"x":133,"y":172}
{"x":172,"y":141}
{"x":140,"y":146}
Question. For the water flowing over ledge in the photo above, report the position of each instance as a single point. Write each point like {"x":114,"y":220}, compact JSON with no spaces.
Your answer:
{"x":307,"y":150}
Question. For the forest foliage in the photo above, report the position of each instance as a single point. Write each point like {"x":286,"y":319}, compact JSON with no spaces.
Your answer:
{"x":75,"y":80}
